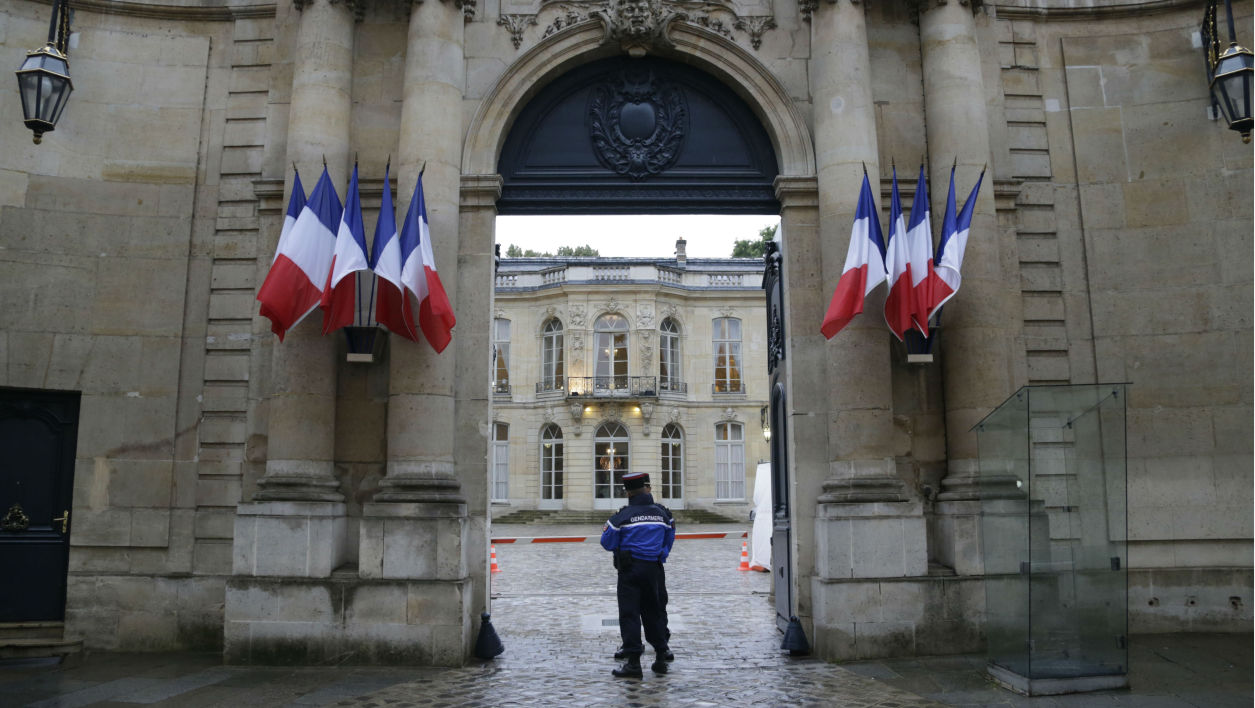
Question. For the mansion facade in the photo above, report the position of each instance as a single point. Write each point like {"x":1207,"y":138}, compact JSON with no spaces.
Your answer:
{"x":603,"y":366}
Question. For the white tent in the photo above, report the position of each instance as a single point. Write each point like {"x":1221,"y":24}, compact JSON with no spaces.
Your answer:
{"x":760,"y":537}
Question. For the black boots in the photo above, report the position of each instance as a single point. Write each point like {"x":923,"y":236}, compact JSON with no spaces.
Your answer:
{"x":630,"y":668}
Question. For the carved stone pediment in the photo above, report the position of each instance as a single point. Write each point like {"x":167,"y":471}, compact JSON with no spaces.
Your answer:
{"x":641,"y":25}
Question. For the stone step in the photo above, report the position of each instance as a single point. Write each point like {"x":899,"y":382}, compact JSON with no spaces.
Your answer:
{"x":31,"y":630}
{"x":39,"y":648}
{"x":538,"y":517}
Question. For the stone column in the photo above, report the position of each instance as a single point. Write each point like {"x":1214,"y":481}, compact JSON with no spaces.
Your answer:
{"x":980,"y":325}
{"x":865,"y":527}
{"x":296,"y":525}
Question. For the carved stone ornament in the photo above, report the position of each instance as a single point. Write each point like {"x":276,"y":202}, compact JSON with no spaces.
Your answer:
{"x":647,"y":410}
{"x":550,"y":311}
{"x":639,"y":25}
{"x":755,"y":26}
{"x":726,"y":312}
{"x":577,"y":416}
{"x":499,"y":313}
{"x":611,"y":305}
{"x":515,"y":25}
{"x":612,"y":412}
{"x":645,"y":316}
{"x":731,"y":414}
{"x":577,"y":315}
{"x":547,"y":415}
{"x":668,"y":310}
{"x":637,"y":124}
{"x":577,"y":344}
{"x":647,"y":350}
{"x":673,"y":416}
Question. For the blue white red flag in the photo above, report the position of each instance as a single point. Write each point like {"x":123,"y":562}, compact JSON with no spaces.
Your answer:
{"x":295,"y":204}
{"x":900,"y":301}
{"x":919,"y":246}
{"x":864,"y":265}
{"x":293,"y":287}
{"x":392,"y":307}
{"x":954,"y":231}
{"x":418,"y":274}
{"x":339,"y":295}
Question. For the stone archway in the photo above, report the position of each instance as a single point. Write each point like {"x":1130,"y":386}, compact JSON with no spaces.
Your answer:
{"x":795,"y":186}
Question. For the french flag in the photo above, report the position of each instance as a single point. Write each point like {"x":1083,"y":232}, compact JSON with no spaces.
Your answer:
{"x":295,"y":204}
{"x":864,"y":265}
{"x":339,"y":295}
{"x":418,"y":274}
{"x":900,"y":302}
{"x":919,"y":246}
{"x":946,"y":278}
{"x":392,"y":307}
{"x":292,"y":288}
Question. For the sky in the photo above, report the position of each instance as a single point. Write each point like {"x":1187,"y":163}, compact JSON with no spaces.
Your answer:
{"x":708,"y":236}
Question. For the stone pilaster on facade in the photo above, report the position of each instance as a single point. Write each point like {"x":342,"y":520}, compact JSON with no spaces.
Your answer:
{"x":982,"y":322}
{"x":421,"y":404}
{"x":860,"y":409}
{"x":301,"y":406}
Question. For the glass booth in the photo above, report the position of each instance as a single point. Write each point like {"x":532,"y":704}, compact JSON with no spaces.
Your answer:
{"x":1055,"y":554}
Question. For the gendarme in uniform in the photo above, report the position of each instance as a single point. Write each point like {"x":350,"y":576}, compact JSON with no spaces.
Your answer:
{"x":641,"y":535}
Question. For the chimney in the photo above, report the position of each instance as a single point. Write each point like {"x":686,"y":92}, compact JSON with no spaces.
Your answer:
{"x":680,"y":256}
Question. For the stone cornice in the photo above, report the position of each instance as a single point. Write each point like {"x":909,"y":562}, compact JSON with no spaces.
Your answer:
{"x":1088,"y":10}
{"x":224,"y":11}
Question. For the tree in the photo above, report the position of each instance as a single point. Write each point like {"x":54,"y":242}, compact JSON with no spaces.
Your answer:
{"x":747,"y":248}
{"x":513,"y":251}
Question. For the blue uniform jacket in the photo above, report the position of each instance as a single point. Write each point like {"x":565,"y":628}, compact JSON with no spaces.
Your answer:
{"x":643,"y":528}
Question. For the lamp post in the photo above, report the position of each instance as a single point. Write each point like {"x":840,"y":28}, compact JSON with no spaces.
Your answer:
{"x":1229,"y":73}
{"x":44,"y":79}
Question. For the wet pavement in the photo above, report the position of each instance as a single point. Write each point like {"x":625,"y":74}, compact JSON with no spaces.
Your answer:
{"x":553,"y":607}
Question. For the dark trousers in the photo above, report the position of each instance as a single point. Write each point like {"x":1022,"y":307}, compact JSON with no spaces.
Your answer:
{"x":642,"y":597}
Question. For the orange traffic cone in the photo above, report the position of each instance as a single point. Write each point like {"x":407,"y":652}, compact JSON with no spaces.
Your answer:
{"x":494,"y":568}
{"x":745,"y":557}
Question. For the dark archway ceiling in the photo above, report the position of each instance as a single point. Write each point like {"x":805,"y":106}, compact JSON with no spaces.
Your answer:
{"x":646,"y":135}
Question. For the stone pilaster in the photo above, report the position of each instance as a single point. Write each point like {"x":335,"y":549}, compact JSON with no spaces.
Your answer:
{"x":421,"y":405}
{"x":864,"y":527}
{"x":980,"y":325}
{"x":301,"y":405}
{"x":859,"y":406}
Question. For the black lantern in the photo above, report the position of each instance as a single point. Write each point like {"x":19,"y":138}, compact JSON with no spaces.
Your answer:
{"x":1229,"y":73}
{"x":44,"y":79}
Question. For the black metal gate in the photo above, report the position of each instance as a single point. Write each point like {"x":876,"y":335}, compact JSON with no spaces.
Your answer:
{"x":38,"y":436}
{"x":781,"y":558}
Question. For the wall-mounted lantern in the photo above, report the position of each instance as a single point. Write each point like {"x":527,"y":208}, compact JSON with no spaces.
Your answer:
{"x":44,"y":79}
{"x":1228,"y":72}
{"x":764,"y":419}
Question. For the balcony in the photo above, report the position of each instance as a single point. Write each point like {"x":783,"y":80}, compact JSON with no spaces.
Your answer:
{"x":612,"y":386}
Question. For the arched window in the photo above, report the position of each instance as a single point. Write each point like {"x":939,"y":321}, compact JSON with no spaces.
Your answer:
{"x":727,"y":346}
{"x":611,"y":456}
{"x":551,"y":458}
{"x":729,"y":462}
{"x":611,"y":374}
{"x":669,"y":378}
{"x":552,"y":369}
{"x":501,"y":355}
{"x":500,"y":462}
{"x":671,"y":476}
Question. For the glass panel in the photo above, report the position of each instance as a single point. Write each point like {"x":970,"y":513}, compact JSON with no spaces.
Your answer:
{"x":1055,"y":562}
{"x":610,"y":461}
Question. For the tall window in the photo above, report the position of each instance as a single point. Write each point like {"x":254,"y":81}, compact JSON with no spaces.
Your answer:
{"x":500,"y":462}
{"x":501,"y":355}
{"x":552,"y":370}
{"x":551,"y":458}
{"x":671,"y":483}
{"x":610,"y":460}
{"x":669,"y":356}
{"x":727,"y":345}
{"x":729,"y":461}
{"x":612,"y":353}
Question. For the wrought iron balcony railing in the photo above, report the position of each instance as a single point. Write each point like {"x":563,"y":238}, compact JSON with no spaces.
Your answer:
{"x":612,"y":386}
{"x":550,"y":385}
{"x":672,"y":385}
{"x":501,"y":388}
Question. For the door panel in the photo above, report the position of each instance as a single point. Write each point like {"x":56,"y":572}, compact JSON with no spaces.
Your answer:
{"x":38,"y":435}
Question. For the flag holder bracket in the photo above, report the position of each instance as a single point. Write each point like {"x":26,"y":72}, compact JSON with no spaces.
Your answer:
{"x":364,"y":344}
{"x":919,"y":349}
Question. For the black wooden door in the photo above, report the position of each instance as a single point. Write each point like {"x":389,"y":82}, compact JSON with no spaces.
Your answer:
{"x":38,"y":434}
{"x":781,"y":558}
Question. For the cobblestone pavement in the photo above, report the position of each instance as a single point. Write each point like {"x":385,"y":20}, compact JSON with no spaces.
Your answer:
{"x":554,"y":610}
